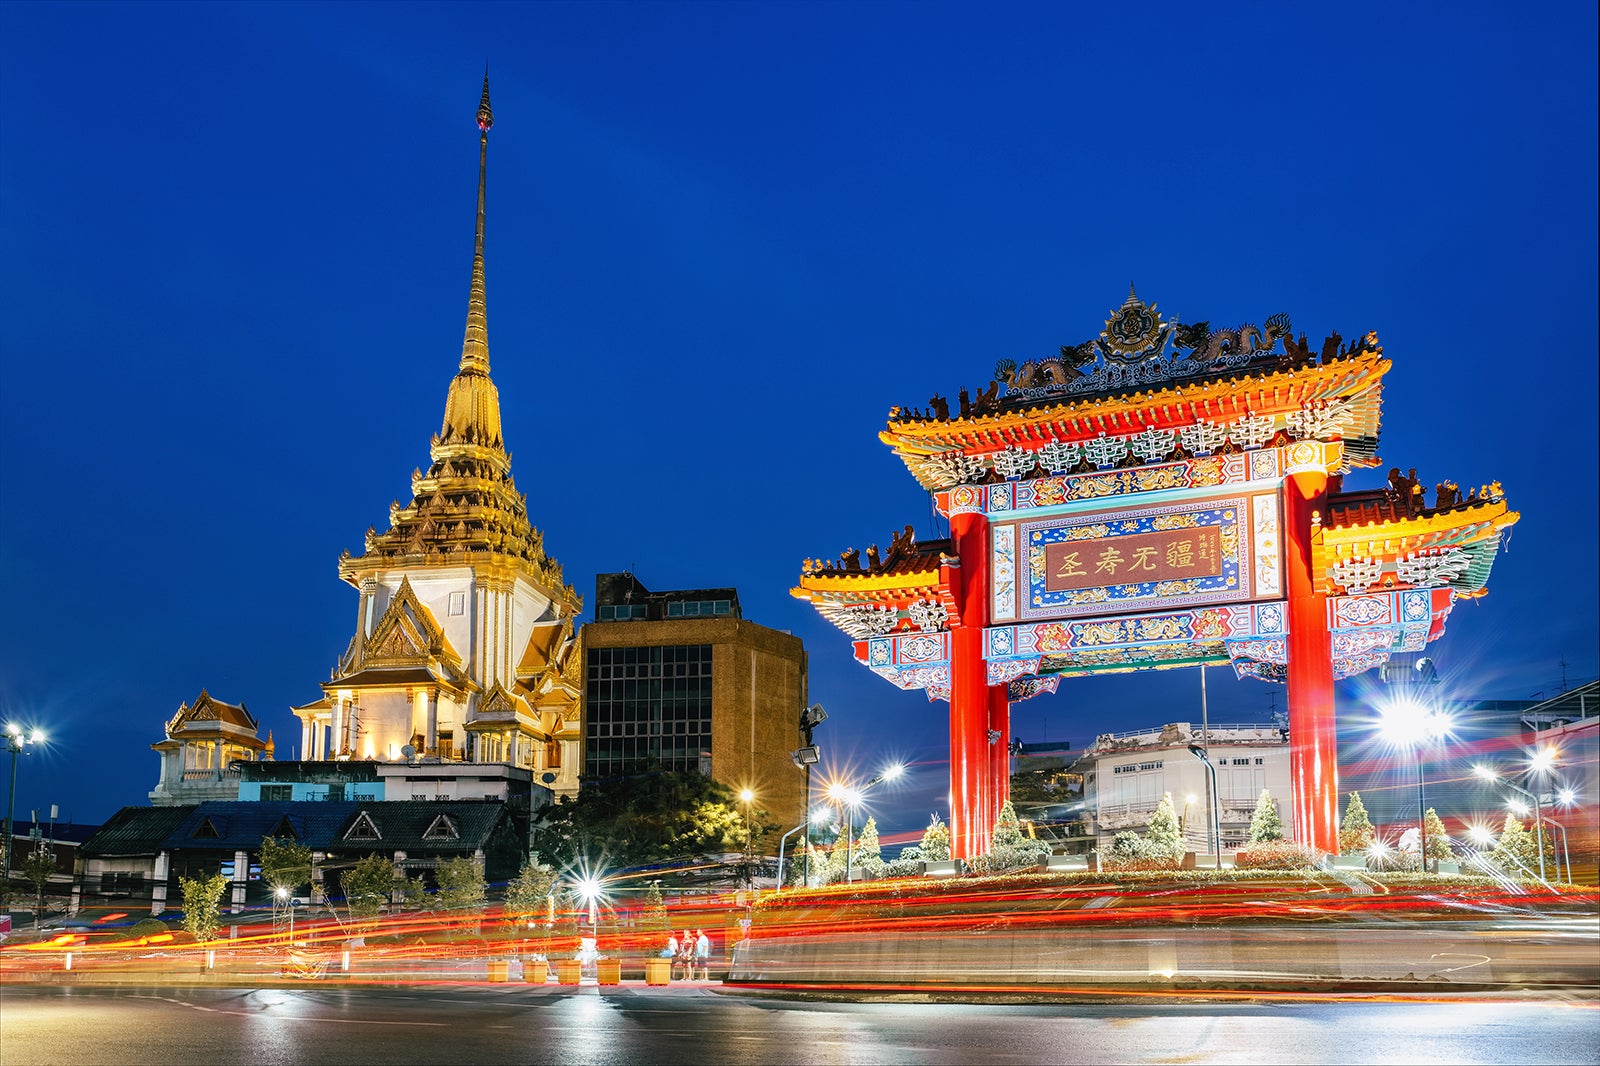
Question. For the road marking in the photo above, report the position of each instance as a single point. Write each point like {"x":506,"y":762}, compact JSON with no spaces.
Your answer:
{"x":1482,"y":960}
{"x":297,"y":1018}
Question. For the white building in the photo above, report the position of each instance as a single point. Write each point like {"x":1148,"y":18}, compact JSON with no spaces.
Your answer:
{"x":1126,"y":774}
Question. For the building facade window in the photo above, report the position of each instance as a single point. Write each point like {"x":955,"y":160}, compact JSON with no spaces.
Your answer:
{"x":648,"y":708}
{"x":699,"y":608}
{"x":277,"y":792}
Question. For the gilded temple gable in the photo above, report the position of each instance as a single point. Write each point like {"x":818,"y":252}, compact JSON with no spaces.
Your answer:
{"x":406,"y":634}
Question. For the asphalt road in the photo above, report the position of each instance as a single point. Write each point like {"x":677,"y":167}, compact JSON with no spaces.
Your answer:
{"x":171,"y":1026}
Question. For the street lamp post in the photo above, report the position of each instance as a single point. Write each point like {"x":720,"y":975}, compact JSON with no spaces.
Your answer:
{"x":1406,"y":723}
{"x":747,"y":797}
{"x":817,"y":815}
{"x":1565,"y":856}
{"x":846,"y":799}
{"x":286,"y":897}
{"x":1216,"y":815}
{"x":16,"y":743}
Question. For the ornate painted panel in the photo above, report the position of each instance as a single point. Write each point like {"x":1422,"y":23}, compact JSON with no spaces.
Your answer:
{"x":1221,"y":549}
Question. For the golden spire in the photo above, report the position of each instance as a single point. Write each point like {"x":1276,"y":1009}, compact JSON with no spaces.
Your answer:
{"x":475,"y":347}
{"x":472,"y":410}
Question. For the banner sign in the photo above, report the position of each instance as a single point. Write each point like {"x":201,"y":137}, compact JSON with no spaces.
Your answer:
{"x":1218,"y":550}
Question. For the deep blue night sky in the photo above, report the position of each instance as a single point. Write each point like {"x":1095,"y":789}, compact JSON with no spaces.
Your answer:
{"x":723,"y":239}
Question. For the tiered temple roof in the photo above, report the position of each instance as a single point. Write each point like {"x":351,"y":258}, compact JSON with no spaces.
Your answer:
{"x":466,"y":507}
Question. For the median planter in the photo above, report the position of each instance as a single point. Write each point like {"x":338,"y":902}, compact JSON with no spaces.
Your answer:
{"x":658,"y":971}
{"x":499,"y":970}
{"x":536,"y":971}
{"x":568,"y":971}
{"x":608,"y":971}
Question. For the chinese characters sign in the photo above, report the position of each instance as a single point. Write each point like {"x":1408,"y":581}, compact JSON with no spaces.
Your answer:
{"x":1149,"y":558}
{"x":1137,"y":557}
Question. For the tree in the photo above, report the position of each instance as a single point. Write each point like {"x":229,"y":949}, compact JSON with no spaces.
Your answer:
{"x":37,"y":869}
{"x":839,"y":857}
{"x":367,"y":886}
{"x":285,"y":864}
{"x":1265,"y":824}
{"x":1438,"y":838}
{"x":202,"y":905}
{"x":1517,"y":850}
{"x":1356,"y":834}
{"x":936,"y":841}
{"x":812,"y":859}
{"x":869,"y":856}
{"x":653,"y":918}
{"x":462,"y":892}
{"x":1162,"y":839}
{"x":528,"y":894}
{"x":646,"y":819}
{"x":1007,"y":830}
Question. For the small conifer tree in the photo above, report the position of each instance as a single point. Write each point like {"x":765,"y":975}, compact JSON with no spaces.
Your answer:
{"x":1438,"y":838}
{"x":1264,"y":823}
{"x":1356,"y":834}
{"x":1162,"y":839}
{"x":1007,"y":830}
{"x":1514,"y":851}
{"x":936,"y":841}
{"x":869,"y":855}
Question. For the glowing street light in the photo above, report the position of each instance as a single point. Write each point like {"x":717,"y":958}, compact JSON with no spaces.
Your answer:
{"x":1481,"y":836}
{"x":847,"y":798}
{"x":746,"y":796}
{"x":286,"y":899}
{"x":1407,"y":723}
{"x":590,"y":890}
{"x":17,"y":742}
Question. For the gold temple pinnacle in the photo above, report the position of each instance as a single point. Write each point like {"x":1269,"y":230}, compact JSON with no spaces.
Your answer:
{"x":472,"y":409}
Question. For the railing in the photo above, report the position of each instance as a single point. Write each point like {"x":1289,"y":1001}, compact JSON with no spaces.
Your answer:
{"x":211,"y":775}
{"x":1189,"y":729}
{"x":1230,"y":811}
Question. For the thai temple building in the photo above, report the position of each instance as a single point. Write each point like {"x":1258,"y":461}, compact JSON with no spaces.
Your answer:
{"x":1162,"y":495}
{"x":201,"y":744}
{"x":464,"y":649}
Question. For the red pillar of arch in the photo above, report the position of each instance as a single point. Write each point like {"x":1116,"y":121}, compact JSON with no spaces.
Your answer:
{"x":1313,"y":739}
{"x":999,"y":752}
{"x":970,"y":770}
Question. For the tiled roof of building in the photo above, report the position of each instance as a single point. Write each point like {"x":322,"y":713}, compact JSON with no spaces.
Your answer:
{"x":135,"y":831}
{"x":402,"y":825}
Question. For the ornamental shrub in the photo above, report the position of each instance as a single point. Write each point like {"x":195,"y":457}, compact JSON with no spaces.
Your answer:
{"x":147,"y":927}
{"x":902,"y":867}
{"x":1127,"y":845}
{"x":1131,"y":852}
{"x":1277,"y":854}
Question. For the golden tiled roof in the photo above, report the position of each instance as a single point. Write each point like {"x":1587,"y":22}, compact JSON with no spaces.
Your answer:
{"x":1276,"y":390}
